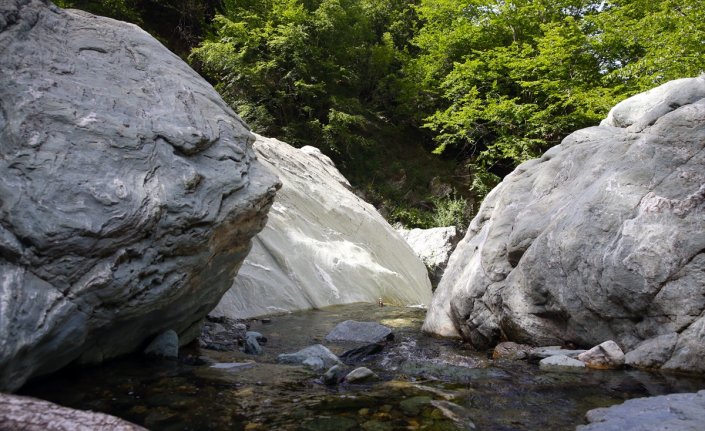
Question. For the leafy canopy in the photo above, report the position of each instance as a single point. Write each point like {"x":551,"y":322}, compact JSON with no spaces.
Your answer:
{"x":501,"y":81}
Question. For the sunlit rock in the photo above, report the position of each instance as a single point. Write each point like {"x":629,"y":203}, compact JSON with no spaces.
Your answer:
{"x":322,"y":246}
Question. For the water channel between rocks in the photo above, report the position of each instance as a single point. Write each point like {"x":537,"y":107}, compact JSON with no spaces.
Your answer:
{"x":426,"y":383}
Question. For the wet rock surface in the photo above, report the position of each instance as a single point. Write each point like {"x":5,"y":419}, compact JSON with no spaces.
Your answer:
{"x":682,"y":412}
{"x":31,"y":414}
{"x":602,"y":238}
{"x":362,"y":353}
{"x":538,"y":353}
{"x":129,"y":191}
{"x":511,"y":350}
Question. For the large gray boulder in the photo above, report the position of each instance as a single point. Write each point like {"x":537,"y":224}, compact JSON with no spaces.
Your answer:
{"x":322,"y":246}
{"x":602,"y":238}
{"x":129,"y":191}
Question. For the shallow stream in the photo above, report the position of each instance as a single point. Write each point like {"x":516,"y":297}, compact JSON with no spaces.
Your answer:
{"x":426,"y":384}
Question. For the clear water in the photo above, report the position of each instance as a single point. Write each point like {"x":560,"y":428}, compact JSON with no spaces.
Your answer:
{"x":426,"y":384}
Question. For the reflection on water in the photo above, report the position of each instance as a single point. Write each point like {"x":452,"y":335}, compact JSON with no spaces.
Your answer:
{"x":427,"y":384}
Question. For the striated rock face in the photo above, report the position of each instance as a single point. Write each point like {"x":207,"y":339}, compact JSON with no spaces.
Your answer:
{"x":322,"y":245}
{"x":434,"y":247}
{"x":602,"y":238}
{"x":129,"y":191}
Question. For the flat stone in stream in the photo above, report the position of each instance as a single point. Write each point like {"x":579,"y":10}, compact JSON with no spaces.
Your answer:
{"x":546,"y":352}
{"x":361,"y":332}
{"x":682,"y":412}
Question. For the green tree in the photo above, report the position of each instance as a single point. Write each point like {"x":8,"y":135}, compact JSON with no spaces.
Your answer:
{"x":499,"y":82}
{"x":310,"y":72}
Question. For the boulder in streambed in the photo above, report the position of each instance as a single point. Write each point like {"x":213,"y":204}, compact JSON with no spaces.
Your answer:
{"x":682,"y":412}
{"x":602,"y":238}
{"x":360,"y":332}
{"x":323,"y":245}
{"x":31,"y":414}
{"x":129,"y":191}
{"x":361,"y":374}
{"x":511,"y":350}
{"x":316,"y":357}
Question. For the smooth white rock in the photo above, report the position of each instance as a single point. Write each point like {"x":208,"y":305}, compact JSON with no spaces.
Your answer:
{"x":361,"y":374}
{"x":322,"y":246}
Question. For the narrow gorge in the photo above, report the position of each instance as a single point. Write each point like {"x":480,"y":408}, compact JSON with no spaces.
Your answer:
{"x":164,"y":267}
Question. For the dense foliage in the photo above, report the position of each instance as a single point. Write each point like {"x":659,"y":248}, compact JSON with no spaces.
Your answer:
{"x":316,"y":72}
{"x":502,"y":81}
{"x":381,"y":84}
